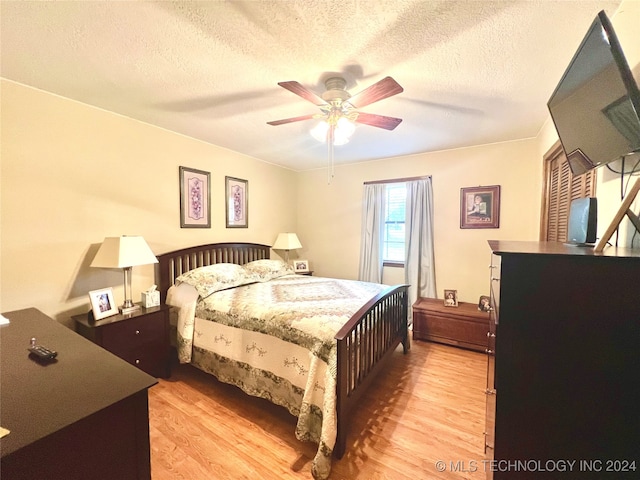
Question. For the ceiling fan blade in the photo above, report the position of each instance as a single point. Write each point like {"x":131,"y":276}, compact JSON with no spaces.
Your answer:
{"x":291,"y":120}
{"x":385,"y":88}
{"x":303,"y":92}
{"x":380,"y":121}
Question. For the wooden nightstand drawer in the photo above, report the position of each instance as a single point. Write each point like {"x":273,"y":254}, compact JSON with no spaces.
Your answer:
{"x":141,"y":338}
{"x":122,"y":338}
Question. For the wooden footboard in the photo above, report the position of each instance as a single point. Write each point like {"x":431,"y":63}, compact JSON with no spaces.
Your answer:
{"x":364,"y":345}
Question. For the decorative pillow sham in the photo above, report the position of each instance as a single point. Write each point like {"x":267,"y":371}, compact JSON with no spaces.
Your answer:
{"x":212,"y":278}
{"x":265,"y":270}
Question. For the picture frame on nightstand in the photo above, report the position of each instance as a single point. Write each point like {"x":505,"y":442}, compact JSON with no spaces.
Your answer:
{"x":301,"y":266}
{"x":103,"y":304}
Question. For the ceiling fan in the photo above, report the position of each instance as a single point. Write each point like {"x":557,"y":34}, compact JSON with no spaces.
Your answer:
{"x":336,"y":103}
{"x":340,"y":110}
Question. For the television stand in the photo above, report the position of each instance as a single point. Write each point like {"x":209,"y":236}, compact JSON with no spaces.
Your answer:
{"x":622,"y":211}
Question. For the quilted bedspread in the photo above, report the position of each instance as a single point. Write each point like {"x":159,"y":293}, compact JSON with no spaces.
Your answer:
{"x":275,"y":340}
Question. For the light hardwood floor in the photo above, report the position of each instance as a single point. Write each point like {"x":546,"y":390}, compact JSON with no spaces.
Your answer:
{"x":429,"y":406}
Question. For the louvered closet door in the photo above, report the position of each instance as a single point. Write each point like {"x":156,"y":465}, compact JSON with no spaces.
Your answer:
{"x":561,"y":187}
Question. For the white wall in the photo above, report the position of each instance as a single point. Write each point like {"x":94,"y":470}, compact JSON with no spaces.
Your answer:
{"x":73,"y":174}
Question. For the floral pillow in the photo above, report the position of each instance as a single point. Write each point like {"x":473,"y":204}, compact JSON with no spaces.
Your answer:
{"x":265,"y":270}
{"x":212,"y":278}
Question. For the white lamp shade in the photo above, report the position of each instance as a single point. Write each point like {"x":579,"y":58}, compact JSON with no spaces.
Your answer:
{"x":287,"y":241}
{"x":124,"y":251}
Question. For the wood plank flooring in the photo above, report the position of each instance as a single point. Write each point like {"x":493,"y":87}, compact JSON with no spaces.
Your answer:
{"x":429,"y":406}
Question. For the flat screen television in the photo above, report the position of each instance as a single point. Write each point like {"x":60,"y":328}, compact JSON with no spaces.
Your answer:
{"x":596,"y":106}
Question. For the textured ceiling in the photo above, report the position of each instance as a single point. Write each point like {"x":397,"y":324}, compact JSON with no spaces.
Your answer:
{"x":474,"y":72}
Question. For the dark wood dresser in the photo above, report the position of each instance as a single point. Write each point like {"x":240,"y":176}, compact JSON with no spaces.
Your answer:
{"x":462,"y":326}
{"x":563,"y":383}
{"x":83,"y":416}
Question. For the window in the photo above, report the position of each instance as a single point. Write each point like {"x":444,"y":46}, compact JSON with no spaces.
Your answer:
{"x":395,"y":199}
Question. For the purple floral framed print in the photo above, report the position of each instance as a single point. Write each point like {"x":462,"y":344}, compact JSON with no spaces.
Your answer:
{"x":237,"y":202}
{"x":195,"y":198}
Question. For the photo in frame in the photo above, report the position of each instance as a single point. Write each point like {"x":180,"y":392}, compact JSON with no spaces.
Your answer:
{"x":237,"y":201}
{"x":102,"y":303}
{"x":484,"y":303}
{"x":195,"y":198}
{"x":301,"y":266}
{"x":450,"y":298}
{"x":480,"y":207}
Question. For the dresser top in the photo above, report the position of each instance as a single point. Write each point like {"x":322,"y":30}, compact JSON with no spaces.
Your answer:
{"x":40,"y":399}
{"x":501,"y":247}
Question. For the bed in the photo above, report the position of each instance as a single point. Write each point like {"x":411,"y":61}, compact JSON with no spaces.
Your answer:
{"x":372,"y":324}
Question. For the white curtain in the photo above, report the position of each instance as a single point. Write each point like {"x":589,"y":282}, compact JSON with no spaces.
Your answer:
{"x":419,"y":265}
{"x":371,"y":243}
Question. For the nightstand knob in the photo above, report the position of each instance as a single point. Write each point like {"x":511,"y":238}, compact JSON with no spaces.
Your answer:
{"x":137,"y":362}
{"x":137,"y":332}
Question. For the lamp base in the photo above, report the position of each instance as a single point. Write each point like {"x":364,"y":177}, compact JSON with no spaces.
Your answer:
{"x":126,"y":310}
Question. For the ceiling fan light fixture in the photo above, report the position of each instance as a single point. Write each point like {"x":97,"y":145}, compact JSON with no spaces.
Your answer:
{"x":341,"y":135}
{"x":340,"y":111}
{"x":319,"y":131}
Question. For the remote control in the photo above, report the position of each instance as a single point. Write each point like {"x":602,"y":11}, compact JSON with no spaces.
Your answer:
{"x":42,"y":353}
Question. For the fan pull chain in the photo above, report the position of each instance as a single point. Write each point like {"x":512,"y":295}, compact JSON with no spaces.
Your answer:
{"x":330,"y":166}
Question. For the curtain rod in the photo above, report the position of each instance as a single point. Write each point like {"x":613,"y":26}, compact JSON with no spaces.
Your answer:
{"x":397,"y":180}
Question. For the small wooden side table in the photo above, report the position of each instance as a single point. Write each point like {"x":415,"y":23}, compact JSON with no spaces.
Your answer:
{"x":462,"y":326}
{"x":141,"y":338}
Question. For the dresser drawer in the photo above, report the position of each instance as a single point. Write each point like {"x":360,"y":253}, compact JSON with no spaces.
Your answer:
{"x":123,"y":338}
{"x":140,"y":338}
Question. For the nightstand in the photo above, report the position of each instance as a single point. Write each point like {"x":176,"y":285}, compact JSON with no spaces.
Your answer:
{"x":141,"y":338}
{"x":308,"y":274}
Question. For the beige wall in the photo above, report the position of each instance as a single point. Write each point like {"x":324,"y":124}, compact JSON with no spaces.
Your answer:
{"x":73,"y":174}
{"x":329,"y":216}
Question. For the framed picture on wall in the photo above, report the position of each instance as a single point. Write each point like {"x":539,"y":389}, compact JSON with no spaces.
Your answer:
{"x":480,"y":207}
{"x":102,"y":303}
{"x":237,"y":201}
{"x":195,"y":198}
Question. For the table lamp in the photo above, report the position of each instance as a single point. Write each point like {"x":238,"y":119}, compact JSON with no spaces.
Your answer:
{"x":286,"y":242}
{"x":124,"y":252}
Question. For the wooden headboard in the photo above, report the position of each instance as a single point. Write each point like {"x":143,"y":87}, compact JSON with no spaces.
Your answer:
{"x":173,"y":264}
